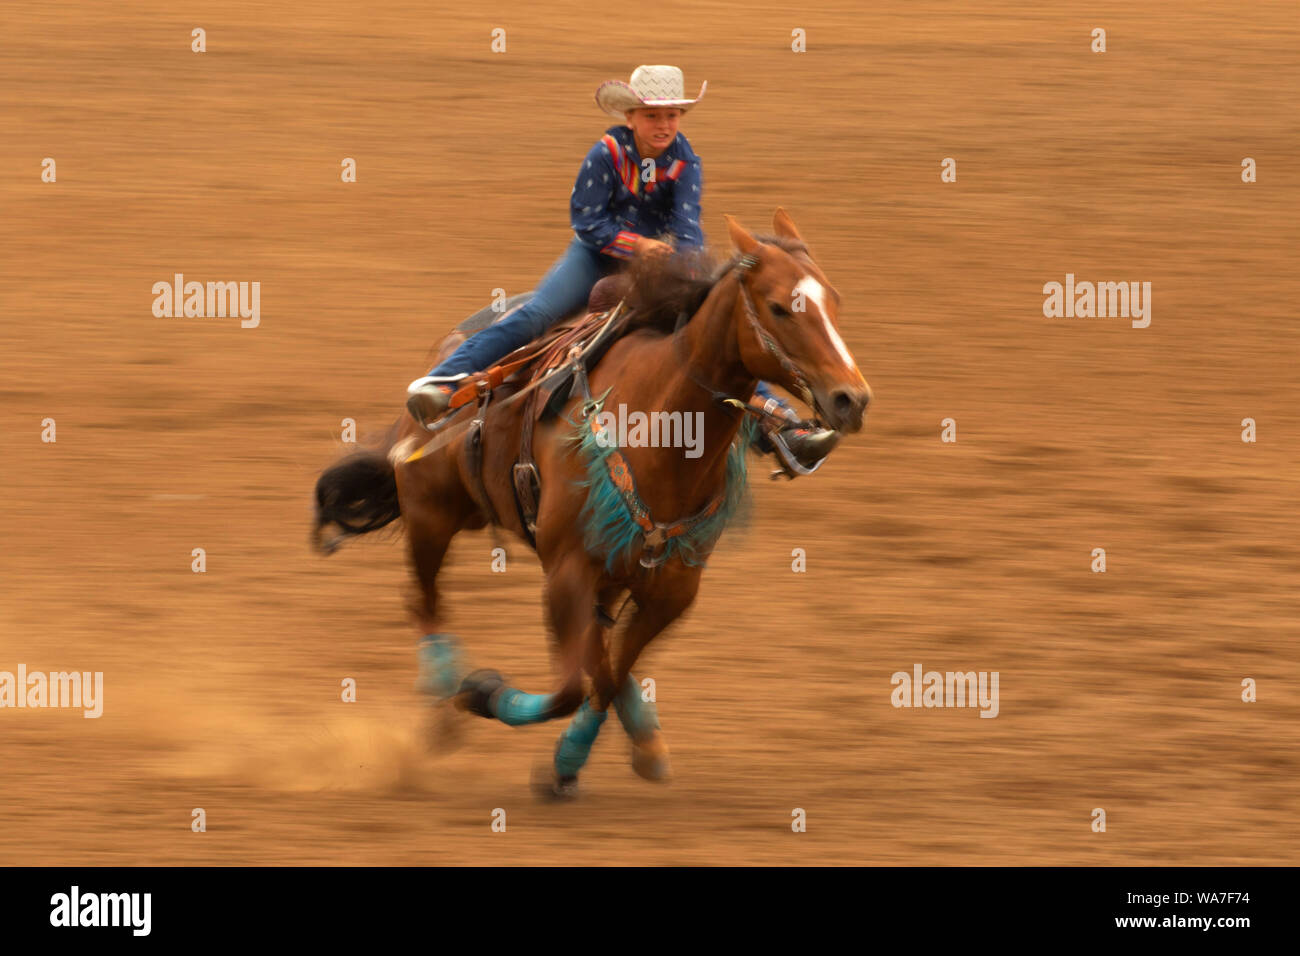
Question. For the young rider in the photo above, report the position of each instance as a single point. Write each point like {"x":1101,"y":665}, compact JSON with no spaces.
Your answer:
{"x":618,"y":212}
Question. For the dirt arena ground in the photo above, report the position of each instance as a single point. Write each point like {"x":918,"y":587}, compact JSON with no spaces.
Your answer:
{"x":1119,"y":690}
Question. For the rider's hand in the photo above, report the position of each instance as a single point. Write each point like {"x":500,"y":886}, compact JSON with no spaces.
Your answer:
{"x":652,"y":247}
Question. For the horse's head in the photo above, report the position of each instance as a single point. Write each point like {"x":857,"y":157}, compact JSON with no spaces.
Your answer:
{"x":791,"y":337}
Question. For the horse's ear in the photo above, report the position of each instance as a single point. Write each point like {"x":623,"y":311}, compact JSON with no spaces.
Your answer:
{"x":783,"y":225}
{"x":741,"y":239}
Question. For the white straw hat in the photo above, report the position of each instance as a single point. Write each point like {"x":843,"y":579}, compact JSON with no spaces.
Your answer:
{"x":649,"y":86}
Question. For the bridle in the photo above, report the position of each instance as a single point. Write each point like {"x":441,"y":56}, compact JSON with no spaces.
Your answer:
{"x":743,"y":265}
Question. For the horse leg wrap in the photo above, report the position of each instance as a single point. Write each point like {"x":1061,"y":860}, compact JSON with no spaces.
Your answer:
{"x":514,"y":707}
{"x":575,"y":743}
{"x":441,"y":665}
{"x":640,"y":718}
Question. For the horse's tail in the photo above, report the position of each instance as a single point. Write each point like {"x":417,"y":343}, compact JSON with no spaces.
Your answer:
{"x":357,"y":495}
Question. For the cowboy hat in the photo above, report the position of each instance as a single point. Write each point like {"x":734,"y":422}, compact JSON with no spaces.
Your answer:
{"x":650,"y":86}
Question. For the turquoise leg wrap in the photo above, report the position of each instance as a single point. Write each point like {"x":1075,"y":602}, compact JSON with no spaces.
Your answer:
{"x":514,"y":707}
{"x":639,"y":717}
{"x":576,"y":741}
{"x":442,"y":665}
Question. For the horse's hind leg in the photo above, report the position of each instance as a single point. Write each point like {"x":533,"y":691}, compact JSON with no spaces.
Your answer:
{"x":430,"y":531}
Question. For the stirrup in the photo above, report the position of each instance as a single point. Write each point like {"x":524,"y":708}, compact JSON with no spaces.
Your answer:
{"x":423,"y":382}
{"x":422,"y":404}
{"x":791,"y":467}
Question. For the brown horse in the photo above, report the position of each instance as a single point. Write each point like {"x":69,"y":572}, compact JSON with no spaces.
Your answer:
{"x":613,"y":522}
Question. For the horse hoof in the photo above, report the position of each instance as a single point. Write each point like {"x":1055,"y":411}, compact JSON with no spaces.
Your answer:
{"x":476,"y":692}
{"x":550,"y":787}
{"x":650,"y":758}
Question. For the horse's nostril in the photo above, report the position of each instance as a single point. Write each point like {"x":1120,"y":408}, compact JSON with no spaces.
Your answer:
{"x":844,"y":408}
{"x":848,"y":407}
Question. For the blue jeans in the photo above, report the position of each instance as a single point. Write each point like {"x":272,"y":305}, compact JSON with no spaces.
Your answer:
{"x":564,"y":289}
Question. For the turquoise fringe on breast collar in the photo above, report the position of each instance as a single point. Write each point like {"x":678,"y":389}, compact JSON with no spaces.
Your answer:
{"x":609,"y":528}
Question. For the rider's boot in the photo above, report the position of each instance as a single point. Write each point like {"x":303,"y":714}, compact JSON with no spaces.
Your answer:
{"x":430,"y":396}
{"x":799,"y":450}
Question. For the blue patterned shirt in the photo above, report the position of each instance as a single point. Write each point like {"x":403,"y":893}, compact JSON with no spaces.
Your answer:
{"x":612,"y":204}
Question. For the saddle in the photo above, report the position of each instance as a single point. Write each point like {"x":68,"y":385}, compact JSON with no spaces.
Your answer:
{"x":552,"y":370}
{"x":605,"y":295}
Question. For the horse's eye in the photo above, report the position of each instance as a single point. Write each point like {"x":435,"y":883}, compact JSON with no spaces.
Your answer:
{"x":778,"y":310}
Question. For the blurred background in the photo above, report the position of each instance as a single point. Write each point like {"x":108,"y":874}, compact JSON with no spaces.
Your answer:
{"x":1119,"y":690}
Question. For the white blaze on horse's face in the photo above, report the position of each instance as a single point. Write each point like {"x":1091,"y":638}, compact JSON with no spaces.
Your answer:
{"x":811,"y":289}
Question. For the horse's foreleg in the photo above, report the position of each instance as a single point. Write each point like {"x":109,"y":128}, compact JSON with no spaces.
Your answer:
{"x":570,"y":597}
{"x":598,"y":664}
{"x":575,"y":743}
{"x":637,"y":714}
{"x":640,"y":720}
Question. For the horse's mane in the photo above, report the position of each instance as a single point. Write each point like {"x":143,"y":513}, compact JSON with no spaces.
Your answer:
{"x":663,"y":287}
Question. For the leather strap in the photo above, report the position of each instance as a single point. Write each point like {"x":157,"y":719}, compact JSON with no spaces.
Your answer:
{"x":474,"y":461}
